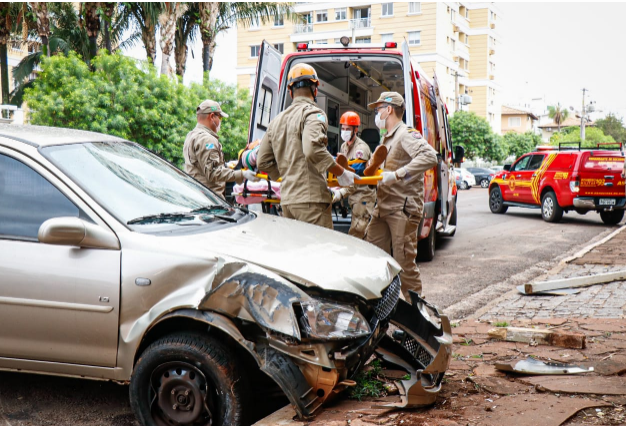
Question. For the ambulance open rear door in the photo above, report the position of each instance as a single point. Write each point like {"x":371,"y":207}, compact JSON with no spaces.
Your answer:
{"x":265,"y":95}
{"x":408,"y":85}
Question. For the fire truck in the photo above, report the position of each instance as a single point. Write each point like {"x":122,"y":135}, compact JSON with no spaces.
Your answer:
{"x":351,"y":76}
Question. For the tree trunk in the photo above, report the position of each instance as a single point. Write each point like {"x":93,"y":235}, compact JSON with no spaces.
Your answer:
{"x":92,"y":25}
{"x":212,"y":47}
{"x":148,"y":36}
{"x":109,"y":7}
{"x":208,"y":18}
{"x":43,"y":25}
{"x":180,"y":57}
{"x":4,"y":72}
{"x":168,"y":19}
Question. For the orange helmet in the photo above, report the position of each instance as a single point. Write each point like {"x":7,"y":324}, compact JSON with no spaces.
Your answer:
{"x":302,"y":75}
{"x":350,"y":118}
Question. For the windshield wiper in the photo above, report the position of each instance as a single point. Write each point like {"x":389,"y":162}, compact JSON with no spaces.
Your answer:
{"x":209,"y":209}
{"x":159,"y":218}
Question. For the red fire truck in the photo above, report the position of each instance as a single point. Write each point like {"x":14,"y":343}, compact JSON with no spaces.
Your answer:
{"x":351,"y":76}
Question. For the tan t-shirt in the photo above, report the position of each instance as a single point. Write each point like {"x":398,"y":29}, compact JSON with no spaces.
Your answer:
{"x":204,"y":160}
{"x":294,"y":148}
{"x":359,"y":150}
{"x":411,"y":151}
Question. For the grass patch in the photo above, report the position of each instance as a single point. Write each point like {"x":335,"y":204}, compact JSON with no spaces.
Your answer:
{"x":368,"y":383}
{"x":466,"y":342}
{"x":501,"y":324}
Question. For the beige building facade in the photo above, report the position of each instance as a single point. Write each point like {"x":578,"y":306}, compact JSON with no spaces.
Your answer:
{"x":518,"y":120}
{"x":456,"y":41}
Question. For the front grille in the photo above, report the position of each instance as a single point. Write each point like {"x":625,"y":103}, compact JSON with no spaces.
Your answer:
{"x":417,"y":351}
{"x":390,"y":299}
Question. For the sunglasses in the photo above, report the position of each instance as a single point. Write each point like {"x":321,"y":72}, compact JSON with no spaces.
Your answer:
{"x":379,"y":107}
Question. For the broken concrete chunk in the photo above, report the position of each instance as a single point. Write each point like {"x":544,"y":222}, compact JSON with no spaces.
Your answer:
{"x":533,"y":366}
{"x":534,"y":288}
{"x":539,"y":337}
{"x":498,"y":385}
{"x":599,"y":385}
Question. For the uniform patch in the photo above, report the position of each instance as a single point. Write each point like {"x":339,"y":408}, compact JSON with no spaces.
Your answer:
{"x":388,"y":99}
{"x":210,"y":146}
{"x":413,"y":132}
{"x":359,"y":154}
{"x":321,"y":117}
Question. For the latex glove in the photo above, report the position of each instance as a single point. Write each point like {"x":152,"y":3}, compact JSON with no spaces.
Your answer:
{"x":337,"y":195}
{"x":388,"y":178}
{"x":250,"y":175}
{"x":346,"y":179}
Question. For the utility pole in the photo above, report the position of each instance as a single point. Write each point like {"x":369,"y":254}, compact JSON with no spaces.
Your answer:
{"x":582,"y":119}
{"x":457,"y":102}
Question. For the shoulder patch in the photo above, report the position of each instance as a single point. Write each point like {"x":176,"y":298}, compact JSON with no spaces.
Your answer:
{"x":413,"y":132}
{"x":210,"y":146}
{"x":359,"y":154}
{"x":321,"y":117}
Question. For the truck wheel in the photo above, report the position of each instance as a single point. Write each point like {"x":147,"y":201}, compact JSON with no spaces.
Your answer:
{"x":496,"y":203}
{"x":426,"y":247}
{"x":550,"y":209}
{"x":612,"y":217}
{"x":187,"y":379}
{"x":484,"y":183}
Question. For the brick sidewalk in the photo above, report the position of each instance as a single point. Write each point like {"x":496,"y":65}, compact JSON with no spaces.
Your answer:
{"x":597,"y":301}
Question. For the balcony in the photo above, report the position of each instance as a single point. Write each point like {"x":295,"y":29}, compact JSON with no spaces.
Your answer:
{"x":303,"y":28}
{"x":360,"y":23}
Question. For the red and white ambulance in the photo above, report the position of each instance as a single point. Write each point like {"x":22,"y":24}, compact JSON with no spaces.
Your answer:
{"x":351,"y":76}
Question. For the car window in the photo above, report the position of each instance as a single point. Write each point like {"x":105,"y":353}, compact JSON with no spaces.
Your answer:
{"x":521,"y":164}
{"x":535,"y":162}
{"x":28,"y":200}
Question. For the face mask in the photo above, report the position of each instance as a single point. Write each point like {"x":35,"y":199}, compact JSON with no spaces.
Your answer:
{"x":380,"y":122}
{"x":346,"y":135}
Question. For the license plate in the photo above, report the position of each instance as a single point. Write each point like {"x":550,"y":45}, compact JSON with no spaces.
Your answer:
{"x":607,"y":201}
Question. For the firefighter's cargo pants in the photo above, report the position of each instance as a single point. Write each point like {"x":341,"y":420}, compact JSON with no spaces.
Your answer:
{"x":314,"y":213}
{"x":396,"y":233}
{"x":361,"y":215}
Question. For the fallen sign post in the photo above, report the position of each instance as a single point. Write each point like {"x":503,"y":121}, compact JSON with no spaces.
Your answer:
{"x":539,"y":337}
{"x":534,"y":288}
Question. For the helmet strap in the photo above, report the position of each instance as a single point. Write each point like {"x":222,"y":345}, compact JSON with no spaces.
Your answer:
{"x":313,"y":87}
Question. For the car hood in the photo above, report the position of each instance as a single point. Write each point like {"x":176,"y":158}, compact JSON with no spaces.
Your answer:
{"x":307,"y":254}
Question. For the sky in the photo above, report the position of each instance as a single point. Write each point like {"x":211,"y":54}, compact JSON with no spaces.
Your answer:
{"x":549,"y":50}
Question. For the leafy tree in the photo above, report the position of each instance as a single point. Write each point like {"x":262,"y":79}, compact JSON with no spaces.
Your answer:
{"x":470,"y":131}
{"x":518,"y":144}
{"x":612,"y":125}
{"x":495,"y":148}
{"x":144,"y":16}
{"x":593,"y":136}
{"x":558,"y":114}
{"x":122,"y":99}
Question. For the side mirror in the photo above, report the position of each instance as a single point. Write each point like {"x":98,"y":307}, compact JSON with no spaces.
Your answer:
{"x":459,"y":154}
{"x":72,"y":231}
{"x":507,"y":167}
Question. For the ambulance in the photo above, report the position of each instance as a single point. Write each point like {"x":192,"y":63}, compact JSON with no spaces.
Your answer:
{"x":351,"y":76}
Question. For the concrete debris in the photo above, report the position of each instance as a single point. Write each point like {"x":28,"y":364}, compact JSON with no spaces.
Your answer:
{"x":539,"y":337}
{"x":533,"y":366}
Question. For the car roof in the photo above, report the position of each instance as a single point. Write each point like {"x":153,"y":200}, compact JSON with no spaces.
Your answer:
{"x":38,"y":136}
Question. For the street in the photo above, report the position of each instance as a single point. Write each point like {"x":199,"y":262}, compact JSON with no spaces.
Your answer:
{"x":491,"y":248}
{"x":469,"y":268}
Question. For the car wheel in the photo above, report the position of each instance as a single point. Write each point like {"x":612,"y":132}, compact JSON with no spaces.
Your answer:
{"x":187,"y":379}
{"x":612,"y":217}
{"x":550,"y":209}
{"x":484,"y":183}
{"x":453,"y":219}
{"x":464,"y":185}
{"x":496,"y":203}
{"x":426,"y":247}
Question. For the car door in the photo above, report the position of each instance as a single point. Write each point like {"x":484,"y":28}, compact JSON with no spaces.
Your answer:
{"x":526,"y":179}
{"x":410,"y":86}
{"x":265,"y":96}
{"x":510,"y":189}
{"x":444,"y":148}
{"x":57,"y":303}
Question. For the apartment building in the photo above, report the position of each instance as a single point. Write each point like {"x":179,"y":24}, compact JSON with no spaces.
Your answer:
{"x":456,"y":41}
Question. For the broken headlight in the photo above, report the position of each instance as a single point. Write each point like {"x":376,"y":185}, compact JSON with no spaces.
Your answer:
{"x":330,"y":321}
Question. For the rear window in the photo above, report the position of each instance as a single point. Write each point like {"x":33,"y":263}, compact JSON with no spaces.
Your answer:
{"x":593,"y":162}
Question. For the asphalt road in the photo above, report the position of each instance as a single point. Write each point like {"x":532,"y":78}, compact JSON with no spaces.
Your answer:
{"x":469,"y":269}
{"x":491,"y":253}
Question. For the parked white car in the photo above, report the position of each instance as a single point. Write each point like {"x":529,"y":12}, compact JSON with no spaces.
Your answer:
{"x":464,"y":179}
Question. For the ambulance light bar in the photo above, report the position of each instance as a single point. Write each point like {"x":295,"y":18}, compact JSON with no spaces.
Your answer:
{"x":306,"y":46}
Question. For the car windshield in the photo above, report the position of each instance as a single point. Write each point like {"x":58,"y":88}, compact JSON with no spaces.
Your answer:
{"x":130,"y":182}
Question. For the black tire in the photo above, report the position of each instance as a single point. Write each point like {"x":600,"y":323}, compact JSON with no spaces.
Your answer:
{"x":496,"y":203}
{"x":484,"y":183}
{"x":426,"y":247}
{"x":550,"y":209}
{"x":464,"y":185}
{"x":453,"y":216}
{"x":191,"y":363}
{"x":612,"y":217}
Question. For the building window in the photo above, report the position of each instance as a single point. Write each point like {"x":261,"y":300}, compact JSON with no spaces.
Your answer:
{"x":515,"y":122}
{"x":384,"y":38}
{"x":415,"y":38}
{"x":254,"y":51}
{"x":415,"y":7}
{"x":453,"y":44}
{"x":387,"y":9}
{"x":265,"y":102}
{"x":321,"y":16}
{"x":279,"y":21}
{"x":452,"y":15}
{"x":307,"y":18}
{"x":321,"y":42}
{"x":363,"y":39}
{"x":280,"y":47}
{"x":341,"y":14}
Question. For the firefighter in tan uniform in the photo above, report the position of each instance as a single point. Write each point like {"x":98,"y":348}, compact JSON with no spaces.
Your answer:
{"x":204,"y":159}
{"x":360,"y":197}
{"x":400,"y":194}
{"x":294,"y":148}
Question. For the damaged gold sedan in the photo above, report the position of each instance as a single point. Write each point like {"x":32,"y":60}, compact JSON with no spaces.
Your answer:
{"x":115,"y":265}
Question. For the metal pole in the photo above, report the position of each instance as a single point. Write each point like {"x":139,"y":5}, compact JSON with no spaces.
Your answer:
{"x":582,"y":119}
{"x":456,"y":91}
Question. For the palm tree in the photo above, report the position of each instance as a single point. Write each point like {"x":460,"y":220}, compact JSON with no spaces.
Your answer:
{"x":40,"y":9}
{"x":186,"y":30}
{"x":5,"y":35}
{"x":558,"y":114}
{"x":168,"y":20}
{"x":145,"y":17}
{"x":108,"y":8}
{"x":91,"y":14}
{"x":216,"y":17}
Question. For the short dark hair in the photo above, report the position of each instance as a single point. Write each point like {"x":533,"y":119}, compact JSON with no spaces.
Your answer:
{"x":397,"y":110}
{"x":302,"y":91}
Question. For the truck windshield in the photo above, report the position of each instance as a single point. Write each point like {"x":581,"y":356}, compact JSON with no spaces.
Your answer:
{"x":129,"y":181}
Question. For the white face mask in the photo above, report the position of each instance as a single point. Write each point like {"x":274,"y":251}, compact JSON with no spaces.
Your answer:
{"x":346,"y":135}
{"x":380,"y":122}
